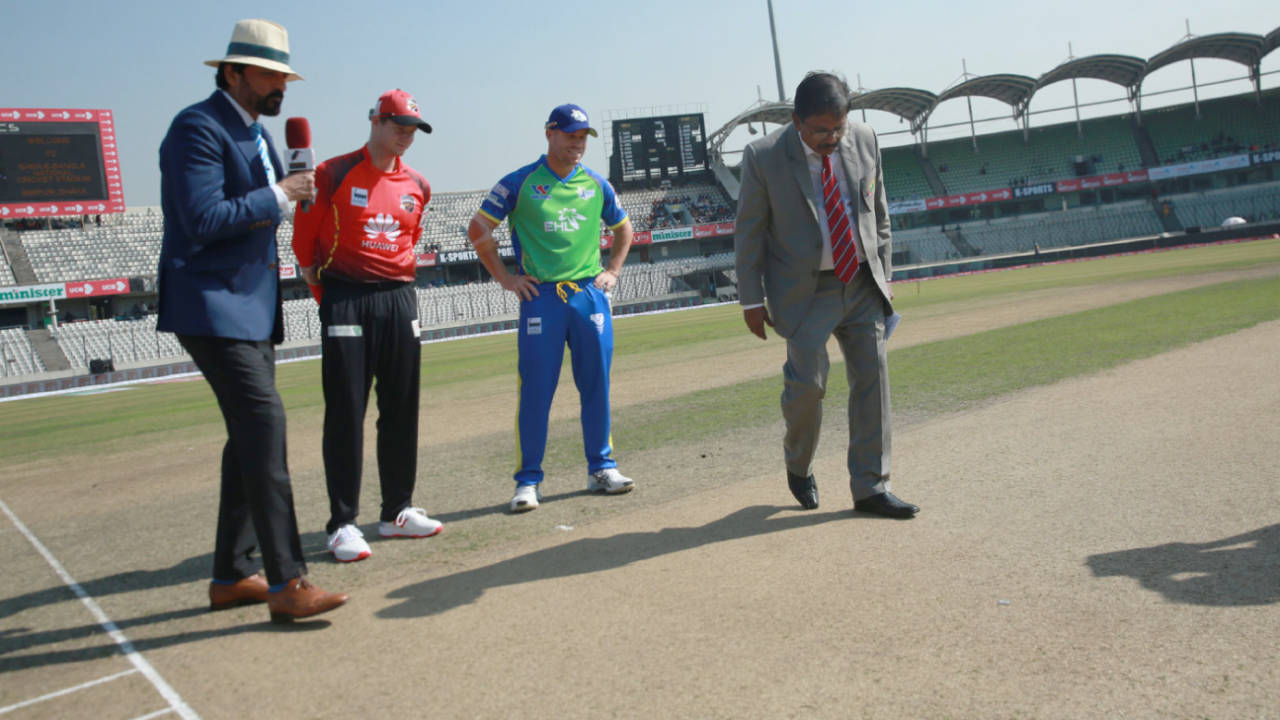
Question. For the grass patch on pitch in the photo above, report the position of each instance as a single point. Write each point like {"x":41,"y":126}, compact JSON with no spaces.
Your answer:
{"x":959,"y":373}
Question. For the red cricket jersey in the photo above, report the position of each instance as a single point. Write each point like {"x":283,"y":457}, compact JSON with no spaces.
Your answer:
{"x":364,"y":223}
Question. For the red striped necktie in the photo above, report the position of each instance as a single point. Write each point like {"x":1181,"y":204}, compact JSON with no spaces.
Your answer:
{"x":842,"y":251}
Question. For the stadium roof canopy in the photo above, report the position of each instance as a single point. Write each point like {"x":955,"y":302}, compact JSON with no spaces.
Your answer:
{"x":910,"y":104}
{"x":916,"y":105}
{"x":763,"y":111}
{"x":1270,"y":42}
{"x":1013,"y":90}
{"x":1243,"y":48}
{"x":1123,"y":70}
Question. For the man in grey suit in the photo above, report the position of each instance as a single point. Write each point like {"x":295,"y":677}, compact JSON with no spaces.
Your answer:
{"x":813,"y":244}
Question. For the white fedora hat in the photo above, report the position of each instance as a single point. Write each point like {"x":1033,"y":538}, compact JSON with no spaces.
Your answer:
{"x":259,"y":42}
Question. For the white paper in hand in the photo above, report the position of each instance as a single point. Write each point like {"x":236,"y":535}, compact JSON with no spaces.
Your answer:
{"x":890,"y":323}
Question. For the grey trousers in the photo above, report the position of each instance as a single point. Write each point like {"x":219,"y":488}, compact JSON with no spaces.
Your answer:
{"x":855,"y":315}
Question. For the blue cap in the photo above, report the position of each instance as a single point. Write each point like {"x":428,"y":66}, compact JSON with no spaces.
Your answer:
{"x":570,"y":118}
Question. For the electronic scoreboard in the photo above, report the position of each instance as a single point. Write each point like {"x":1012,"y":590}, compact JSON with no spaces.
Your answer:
{"x":58,"y":162}
{"x":656,"y":148}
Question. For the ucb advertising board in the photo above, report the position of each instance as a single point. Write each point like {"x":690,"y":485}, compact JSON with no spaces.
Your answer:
{"x":26,"y":294}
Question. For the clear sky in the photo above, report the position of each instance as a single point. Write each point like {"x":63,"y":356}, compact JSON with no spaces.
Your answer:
{"x":487,"y":73}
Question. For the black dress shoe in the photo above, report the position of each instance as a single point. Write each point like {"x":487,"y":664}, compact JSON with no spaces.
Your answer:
{"x":886,"y":504}
{"x":805,"y":490}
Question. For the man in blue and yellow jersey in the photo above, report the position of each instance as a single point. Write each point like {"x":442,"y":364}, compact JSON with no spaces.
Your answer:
{"x":555,"y":207}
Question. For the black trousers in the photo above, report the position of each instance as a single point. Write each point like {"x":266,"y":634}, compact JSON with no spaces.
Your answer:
{"x":257,"y":498}
{"x":370,"y":331}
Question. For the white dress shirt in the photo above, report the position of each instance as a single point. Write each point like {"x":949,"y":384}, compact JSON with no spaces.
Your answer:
{"x":814,"y":161}
{"x":281,"y":199}
{"x":837,"y":169}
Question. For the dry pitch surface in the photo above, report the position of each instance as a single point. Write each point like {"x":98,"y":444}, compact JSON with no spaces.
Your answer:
{"x":1106,"y":546}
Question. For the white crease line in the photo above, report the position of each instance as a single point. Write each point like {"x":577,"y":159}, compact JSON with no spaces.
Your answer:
{"x":175,"y":701}
{"x":155,"y":714}
{"x":67,"y":691}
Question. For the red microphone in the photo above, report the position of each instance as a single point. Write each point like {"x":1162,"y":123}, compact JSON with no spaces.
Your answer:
{"x":297,"y":136}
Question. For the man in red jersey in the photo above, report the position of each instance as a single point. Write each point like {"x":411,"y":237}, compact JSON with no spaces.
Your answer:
{"x":355,"y":245}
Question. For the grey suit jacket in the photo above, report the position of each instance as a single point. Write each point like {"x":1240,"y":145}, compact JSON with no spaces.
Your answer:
{"x":778,"y":242}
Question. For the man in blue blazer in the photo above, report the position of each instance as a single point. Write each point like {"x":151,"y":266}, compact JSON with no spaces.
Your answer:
{"x":223,"y":193}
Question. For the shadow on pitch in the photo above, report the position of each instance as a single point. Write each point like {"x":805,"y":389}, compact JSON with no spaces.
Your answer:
{"x":1234,"y":571}
{"x":189,"y":570}
{"x":13,"y":642}
{"x":591,"y":555}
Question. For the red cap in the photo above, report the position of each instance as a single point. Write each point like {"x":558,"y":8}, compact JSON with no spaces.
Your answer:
{"x":400,"y":107}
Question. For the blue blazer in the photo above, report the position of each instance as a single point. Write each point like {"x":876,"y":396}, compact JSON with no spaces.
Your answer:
{"x":218,"y":273}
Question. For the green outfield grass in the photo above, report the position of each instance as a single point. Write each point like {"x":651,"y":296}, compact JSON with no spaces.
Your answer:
{"x":935,"y":377}
{"x":1103,"y":271}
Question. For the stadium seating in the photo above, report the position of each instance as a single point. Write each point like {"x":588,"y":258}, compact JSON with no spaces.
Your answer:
{"x":448,"y":214}
{"x":903,"y":177}
{"x":16,"y":354}
{"x":1078,"y":226}
{"x":6,"y":273}
{"x":1254,"y":203}
{"x":924,"y":245}
{"x":125,"y":342}
{"x":1050,"y":153}
{"x":127,"y":246}
{"x":1226,"y":126}
{"x":678,"y":206}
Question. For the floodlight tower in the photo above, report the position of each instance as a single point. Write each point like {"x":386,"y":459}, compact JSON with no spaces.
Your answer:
{"x":777,"y":62}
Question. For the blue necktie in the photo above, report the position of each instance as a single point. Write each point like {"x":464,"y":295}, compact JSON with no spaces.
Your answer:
{"x":263,"y":155}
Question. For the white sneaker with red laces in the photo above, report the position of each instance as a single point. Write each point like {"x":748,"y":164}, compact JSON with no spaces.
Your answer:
{"x":411,"y":523}
{"x":347,"y":544}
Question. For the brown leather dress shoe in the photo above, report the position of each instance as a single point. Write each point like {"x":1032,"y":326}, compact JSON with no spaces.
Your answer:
{"x":301,"y":599}
{"x":246,"y":591}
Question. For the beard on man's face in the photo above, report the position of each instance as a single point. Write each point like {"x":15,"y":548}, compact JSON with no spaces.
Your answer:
{"x":269,"y":105}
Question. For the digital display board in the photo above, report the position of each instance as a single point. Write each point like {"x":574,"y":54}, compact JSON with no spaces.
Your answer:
{"x":58,"y":162}
{"x":655,"y":148}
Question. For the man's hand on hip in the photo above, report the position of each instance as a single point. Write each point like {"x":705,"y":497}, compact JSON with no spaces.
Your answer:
{"x":606,"y":280}
{"x":756,"y":318}
{"x":525,"y":287}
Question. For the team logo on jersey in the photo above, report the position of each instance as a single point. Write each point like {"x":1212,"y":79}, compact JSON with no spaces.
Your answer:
{"x":501,"y":191}
{"x":408,"y":203}
{"x":359,"y":197}
{"x":568,"y":220}
{"x":540,"y":192}
{"x":586,"y":193}
{"x":383,"y":225}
